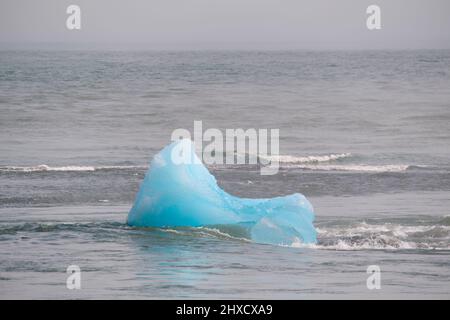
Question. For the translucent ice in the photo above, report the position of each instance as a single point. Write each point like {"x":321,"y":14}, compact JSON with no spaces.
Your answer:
{"x":183,"y":193}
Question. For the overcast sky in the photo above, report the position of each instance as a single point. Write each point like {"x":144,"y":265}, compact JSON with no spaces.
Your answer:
{"x":226,"y":24}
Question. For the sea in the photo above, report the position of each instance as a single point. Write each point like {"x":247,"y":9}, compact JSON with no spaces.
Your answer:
{"x":364,"y":135}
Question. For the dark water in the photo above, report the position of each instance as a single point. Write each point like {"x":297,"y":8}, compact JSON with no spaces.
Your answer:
{"x":364,"y":135}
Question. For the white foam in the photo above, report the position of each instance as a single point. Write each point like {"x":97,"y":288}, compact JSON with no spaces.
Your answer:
{"x":388,"y":236}
{"x":203,"y":232}
{"x":342,"y":245}
{"x":44,"y":167}
{"x":306,"y":159}
{"x":171,"y":231}
{"x":354,"y":167}
{"x":325,"y":163}
{"x":217,"y":232}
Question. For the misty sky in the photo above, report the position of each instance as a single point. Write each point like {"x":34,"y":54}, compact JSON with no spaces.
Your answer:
{"x":226,"y":24}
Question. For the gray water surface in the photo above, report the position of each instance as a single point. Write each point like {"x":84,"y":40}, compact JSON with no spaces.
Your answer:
{"x":77,"y":131}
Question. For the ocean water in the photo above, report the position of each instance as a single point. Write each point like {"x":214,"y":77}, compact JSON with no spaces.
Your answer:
{"x":365,"y":135}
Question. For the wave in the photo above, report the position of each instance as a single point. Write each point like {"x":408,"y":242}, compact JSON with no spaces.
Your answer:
{"x":328,"y":163}
{"x":353,"y":237}
{"x":388,"y":236}
{"x":44,"y":168}
{"x":312,"y":163}
{"x":354,"y":167}
{"x":312,"y":167}
{"x":205,"y":232}
{"x":445,"y":221}
{"x":306,"y":159}
{"x":228,"y":232}
{"x":91,"y":227}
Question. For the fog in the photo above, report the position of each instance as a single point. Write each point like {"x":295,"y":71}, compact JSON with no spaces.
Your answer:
{"x":225,"y":24}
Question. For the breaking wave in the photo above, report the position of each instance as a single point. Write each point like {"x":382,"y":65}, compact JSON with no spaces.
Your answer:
{"x":354,"y":167}
{"x":330,"y":162}
{"x":340,"y":237}
{"x":44,"y":167}
{"x":313,"y":167}
{"x":307,"y":159}
{"x":387,"y":236}
{"x":335,"y":162}
{"x":205,"y":232}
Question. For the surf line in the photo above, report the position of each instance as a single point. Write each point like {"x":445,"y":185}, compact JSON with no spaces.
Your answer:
{"x":249,"y":146}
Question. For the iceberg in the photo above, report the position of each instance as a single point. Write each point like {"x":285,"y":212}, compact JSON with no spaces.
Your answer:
{"x":178,"y":193}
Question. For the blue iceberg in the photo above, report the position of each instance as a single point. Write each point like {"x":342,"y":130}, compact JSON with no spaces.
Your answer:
{"x":178,"y":193}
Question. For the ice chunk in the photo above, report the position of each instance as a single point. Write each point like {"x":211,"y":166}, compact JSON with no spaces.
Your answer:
{"x":178,"y":190}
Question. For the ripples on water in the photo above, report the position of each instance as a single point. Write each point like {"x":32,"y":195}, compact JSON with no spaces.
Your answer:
{"x":217,"y":261}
